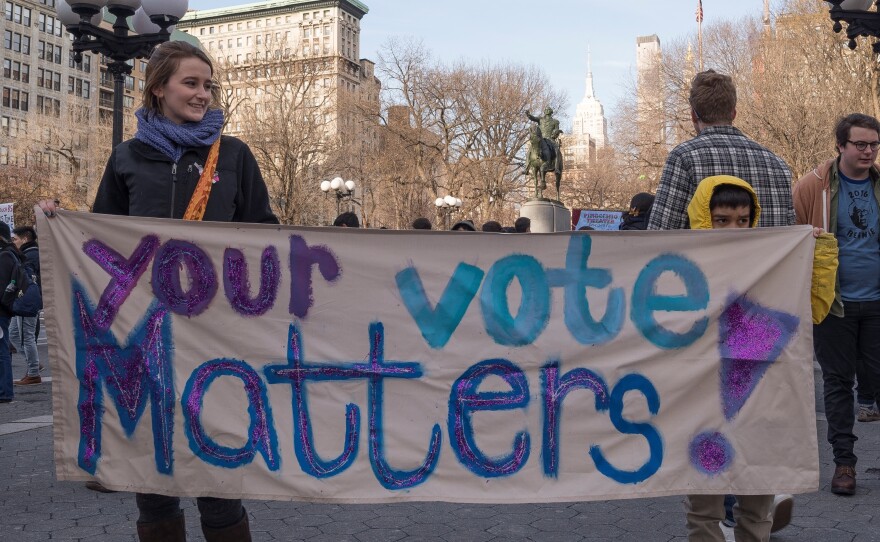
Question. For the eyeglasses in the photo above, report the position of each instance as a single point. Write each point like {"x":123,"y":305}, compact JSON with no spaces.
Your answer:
{"x":862,"y":145}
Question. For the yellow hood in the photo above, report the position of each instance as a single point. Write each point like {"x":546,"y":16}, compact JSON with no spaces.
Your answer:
{"x":698,"y":208}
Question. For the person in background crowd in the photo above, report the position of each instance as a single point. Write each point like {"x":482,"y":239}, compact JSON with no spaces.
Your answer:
{"x":421,"y":223}
{"x":7,"y":266}
{"x":842,"y":197}
{"x":639,"y":211}
{"x":179,"y":166}
{"x":347,"y":220}
{"x":523,"y":225}
{"x":463,"y":225}
{"x":492,"y":226}
{"x":23,"y":329}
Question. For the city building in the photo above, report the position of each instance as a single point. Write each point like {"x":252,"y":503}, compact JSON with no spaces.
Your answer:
{"x":649,"y":90}
{"x":589,"y":130}
{"x":55,"y":113}
{"x":310,"y":47}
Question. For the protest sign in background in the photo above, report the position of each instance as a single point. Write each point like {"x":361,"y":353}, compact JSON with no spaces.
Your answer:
{"x":7,"y":214}
{"x":598,"y":220}
{"x":366,"y":365}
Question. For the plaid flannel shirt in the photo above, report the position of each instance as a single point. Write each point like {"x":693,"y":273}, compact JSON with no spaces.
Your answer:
{"x":722,"y":150}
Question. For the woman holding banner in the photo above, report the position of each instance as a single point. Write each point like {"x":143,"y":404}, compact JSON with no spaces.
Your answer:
{"x":179,"y":166}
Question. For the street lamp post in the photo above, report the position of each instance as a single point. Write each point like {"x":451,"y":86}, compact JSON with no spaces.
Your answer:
{"x":447,"y":205}
{"x":859,"y":20}
{"x":344,"y":190}
{"x":153,"y":22}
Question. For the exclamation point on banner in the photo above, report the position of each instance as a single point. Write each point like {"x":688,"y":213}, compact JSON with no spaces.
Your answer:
{"x":751,"y":338}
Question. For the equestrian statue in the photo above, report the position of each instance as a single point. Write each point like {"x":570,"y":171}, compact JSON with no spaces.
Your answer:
{"x":545,"y":153}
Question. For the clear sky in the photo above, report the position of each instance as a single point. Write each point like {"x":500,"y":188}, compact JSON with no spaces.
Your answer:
{"x":553,"y":34}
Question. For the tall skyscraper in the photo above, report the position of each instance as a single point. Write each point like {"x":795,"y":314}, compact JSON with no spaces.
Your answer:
{"x":649,"y":90}
{"x":590,"y":128}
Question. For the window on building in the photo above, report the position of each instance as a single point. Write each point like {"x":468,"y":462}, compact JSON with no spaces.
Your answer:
{"x":129,"y":82}
{"x":238,"y":42}
{"x":247,"y":41}
{"x":141,"y":84}
{"x":7,"y":68}
{"x":16,"y":13}
{"x":25,"y":73}
{"x":201,"y":31}
{"x":211,"y":30}
{"x":56,"y":81}
{"x":128,"y":102}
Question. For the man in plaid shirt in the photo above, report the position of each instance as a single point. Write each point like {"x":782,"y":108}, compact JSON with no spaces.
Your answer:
{"x":720,"y":149}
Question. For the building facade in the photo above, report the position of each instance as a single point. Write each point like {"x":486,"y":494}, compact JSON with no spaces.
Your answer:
{"x":589,"y":131}
{"x":52,"y":108}
{"x":310,"y":45}
{"x":649,"y":90}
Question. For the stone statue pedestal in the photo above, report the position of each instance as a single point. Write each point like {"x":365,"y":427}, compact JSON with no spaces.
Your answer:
{"x":547,"y":216}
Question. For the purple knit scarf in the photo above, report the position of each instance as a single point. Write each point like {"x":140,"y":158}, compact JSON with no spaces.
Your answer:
{"x":173,"y":139}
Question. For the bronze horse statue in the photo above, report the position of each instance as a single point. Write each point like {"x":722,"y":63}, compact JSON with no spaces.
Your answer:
{"x":543,"y":157}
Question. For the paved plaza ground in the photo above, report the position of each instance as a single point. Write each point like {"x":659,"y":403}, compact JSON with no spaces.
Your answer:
{"x":34,"y":506}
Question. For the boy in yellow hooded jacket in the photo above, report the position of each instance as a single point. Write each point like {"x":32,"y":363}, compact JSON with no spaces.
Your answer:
{"x":724,"y":201}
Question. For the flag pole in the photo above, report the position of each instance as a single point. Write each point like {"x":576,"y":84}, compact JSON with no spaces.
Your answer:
{"x":700,"y":31}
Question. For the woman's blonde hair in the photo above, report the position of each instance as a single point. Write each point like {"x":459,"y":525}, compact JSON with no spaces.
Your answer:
{"x":163,"y":63}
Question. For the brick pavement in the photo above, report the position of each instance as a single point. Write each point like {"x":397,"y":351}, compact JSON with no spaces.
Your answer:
{"x":36,"y":507}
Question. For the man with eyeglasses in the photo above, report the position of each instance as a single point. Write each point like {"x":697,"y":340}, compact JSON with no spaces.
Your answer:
{"x":841,"y":196}
{"x":719,"y":149}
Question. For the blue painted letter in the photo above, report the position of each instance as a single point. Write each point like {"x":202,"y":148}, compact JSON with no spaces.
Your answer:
{"x":576,"y":278}
{"x":645,"y":301}
{"x":438,"y":324}
{"x":555,"y":390}
{"x":465,"y":399}
{"x":655,"y":442}
{"x":261,"y":431}
{"x":534,"y":310}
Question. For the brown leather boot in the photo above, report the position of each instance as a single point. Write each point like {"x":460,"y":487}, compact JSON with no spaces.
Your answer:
{"x":169,"y":530}
{"x":844,"y":480}
{"x":240,"y":532}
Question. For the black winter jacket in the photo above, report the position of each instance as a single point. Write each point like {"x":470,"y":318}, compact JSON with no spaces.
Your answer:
{"x":7,"y":266}
{"x":142,"y":181}
{"x":31,"y":253}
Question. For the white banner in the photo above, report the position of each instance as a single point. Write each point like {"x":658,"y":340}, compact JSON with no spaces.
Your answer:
{"x":7,"y":215}
{"x":331,"y":364}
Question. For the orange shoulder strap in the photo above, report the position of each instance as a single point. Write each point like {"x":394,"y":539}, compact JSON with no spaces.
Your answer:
{"x":199,"y":201}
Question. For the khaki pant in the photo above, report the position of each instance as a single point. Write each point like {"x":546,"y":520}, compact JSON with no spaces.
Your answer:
{"x":752,"y":514}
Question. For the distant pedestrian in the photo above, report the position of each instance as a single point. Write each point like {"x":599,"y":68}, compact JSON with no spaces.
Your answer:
{"x":23,"y":329}
{"x":492,"y":226}
{"x":523,"y":224}
{"x":7,"y":266}
{"x":636,"y":218}
{"x":421,"y":223}
{"x":463,"y":225}
{"x":347,"y":220}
